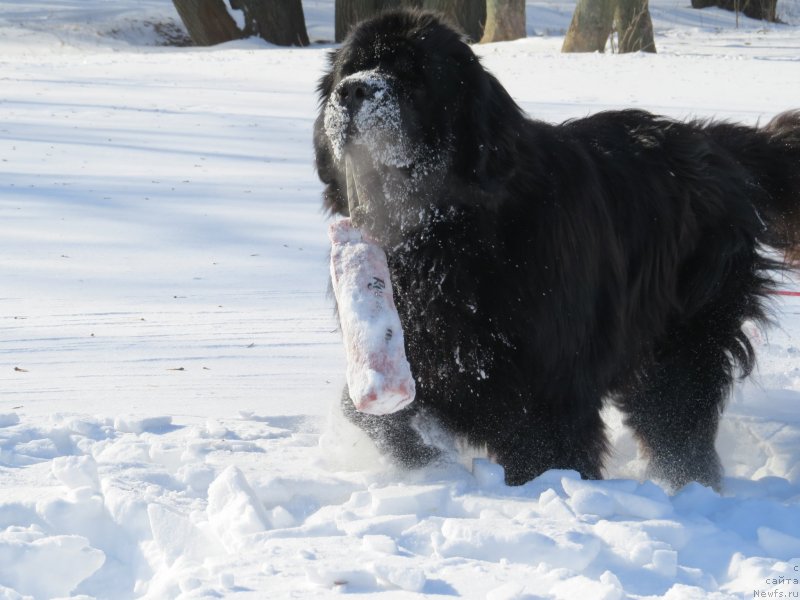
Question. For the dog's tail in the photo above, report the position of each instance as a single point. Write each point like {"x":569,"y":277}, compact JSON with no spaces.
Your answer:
{"x":772,"y":157}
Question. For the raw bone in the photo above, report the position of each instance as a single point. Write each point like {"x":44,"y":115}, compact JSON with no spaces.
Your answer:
{"x":378,"y":374}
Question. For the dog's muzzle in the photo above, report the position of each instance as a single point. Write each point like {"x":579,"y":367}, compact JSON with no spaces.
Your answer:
{"x":361,"y":110}
{"x":353,"y":92}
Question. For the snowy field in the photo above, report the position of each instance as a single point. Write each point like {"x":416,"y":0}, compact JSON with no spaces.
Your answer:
{"x":169,"y":358}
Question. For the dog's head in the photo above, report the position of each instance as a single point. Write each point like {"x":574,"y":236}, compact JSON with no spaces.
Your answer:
{"x":405,"y":109}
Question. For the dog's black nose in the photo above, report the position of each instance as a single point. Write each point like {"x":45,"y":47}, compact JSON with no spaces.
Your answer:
{"x":352,"y":94}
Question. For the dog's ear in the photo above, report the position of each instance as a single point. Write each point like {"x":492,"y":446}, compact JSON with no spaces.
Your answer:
{"x":328,"y":81}
{"x":489,"y":128}
{"x":334,"y":200}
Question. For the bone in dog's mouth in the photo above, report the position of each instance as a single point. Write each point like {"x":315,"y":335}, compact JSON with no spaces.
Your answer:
{"x":352,"y":190}
{"x":357,"y":193}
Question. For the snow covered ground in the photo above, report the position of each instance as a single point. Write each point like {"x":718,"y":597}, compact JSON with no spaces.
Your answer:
{"x":169,"y":357}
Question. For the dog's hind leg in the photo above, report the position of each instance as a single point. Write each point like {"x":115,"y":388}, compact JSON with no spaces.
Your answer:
{"x":675,"y":416}
{"x":676,"y":405}
{"x":676,"y":408}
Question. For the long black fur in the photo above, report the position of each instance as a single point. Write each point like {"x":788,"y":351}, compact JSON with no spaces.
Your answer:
{"x":551,"y":268}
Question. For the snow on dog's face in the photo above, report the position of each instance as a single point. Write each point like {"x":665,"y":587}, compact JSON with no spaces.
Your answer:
{"x":364,"y":111}
{"x":392,"y":101}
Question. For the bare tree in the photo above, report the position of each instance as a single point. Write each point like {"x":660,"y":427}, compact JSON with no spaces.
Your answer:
{"x":593,"y":22}
{"x":207,"y":21}
{"x":505,"y":20}
{"x":764,"y":10}
{"x":591,"y":25}
{"x":280,"y":22}
{"x":277,"y":21}
{"x":634,"y":26}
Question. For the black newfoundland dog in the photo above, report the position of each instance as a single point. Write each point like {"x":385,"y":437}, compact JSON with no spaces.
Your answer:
{"x":541,"y":270}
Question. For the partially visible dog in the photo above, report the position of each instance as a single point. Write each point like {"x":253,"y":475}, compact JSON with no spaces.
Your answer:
{"x":541,"y":270}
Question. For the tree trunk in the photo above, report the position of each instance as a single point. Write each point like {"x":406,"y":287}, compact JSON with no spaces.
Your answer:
{"x":634,"y":26}
{"x":505,"y":20}
{"x":279,"y":22}
{"x":207,"y":21}
{"x":469,"y":15}
{"x":755,"y":9}
{"x":590,"y":27}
